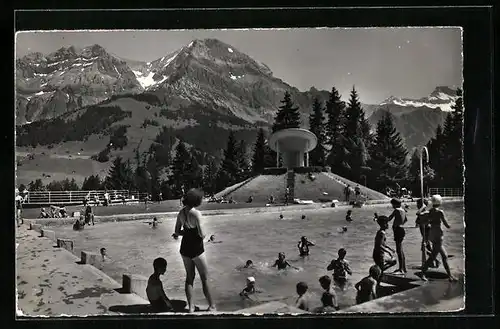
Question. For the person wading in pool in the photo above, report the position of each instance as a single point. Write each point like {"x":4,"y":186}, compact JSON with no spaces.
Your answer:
{"x":399,"y":216}
{"x":192,"y":251}
{"x":304,"y":245}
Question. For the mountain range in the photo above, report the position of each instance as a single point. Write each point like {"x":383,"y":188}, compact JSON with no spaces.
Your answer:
{"x":201,"y":91}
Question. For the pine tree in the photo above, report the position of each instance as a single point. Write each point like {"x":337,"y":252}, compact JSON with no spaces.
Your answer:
{"x":37,"y":185}
{"x":242,"y":161}
{"x":228,"y":172}
{"x":454,"y":146}
{"x":154,"y":177}
{"x":436,"y":153}
{"x":181,"y":160}
{"x":93,"y":182}
{"x":288,"y":115}
{"x":353,"y":143}
{"x":316,"y":126}
{"x":335,"y":110}
{"x":193,"y":174}
{"x":388,"y":155}
{"x":209,"y":177}
{"x":259,"y":153}
{"x":119,"y":176}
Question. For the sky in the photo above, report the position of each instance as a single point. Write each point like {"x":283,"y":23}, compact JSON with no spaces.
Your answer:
{"x":379,"y":62}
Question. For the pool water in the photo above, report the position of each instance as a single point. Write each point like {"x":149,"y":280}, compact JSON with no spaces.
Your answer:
{"x":133,"y":245}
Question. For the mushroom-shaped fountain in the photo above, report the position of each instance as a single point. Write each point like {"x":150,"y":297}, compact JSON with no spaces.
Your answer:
{"x":292,"y":144}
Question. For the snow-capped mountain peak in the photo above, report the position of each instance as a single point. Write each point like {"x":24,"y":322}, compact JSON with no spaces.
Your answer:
{"x":441,"y":98}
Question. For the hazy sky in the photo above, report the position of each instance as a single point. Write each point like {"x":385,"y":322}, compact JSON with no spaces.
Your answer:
{"x":380,"y":62}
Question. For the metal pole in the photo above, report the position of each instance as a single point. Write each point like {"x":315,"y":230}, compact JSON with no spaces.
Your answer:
{"x":424,"y":150}
{"x":277,"y":154}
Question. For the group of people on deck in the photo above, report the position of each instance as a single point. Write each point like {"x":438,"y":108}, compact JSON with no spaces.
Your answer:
{"x":188,"y":225}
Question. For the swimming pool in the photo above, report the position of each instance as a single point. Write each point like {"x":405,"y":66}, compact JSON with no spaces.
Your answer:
{"x":133,"y":245}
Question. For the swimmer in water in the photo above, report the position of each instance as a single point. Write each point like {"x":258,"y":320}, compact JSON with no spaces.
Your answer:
{"x":250,"y":288}
{"x":103,"y":253}
{"x":282,"y":263}
{"x":304,"y":245}
{"x":249,"y":264}
{"x":348,"y":216}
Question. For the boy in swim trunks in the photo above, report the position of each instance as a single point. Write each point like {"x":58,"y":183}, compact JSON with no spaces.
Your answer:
{"x":423,"y":224}
{"x":367,"y":287}
{"x":304,"y":245}
{"x":281,"y":262}
{"x":156,"y":295}
{"x":399,"y":216}
{"x":437,"y":217}
{"x":302,"y":301}
{"x":328,"y":298}
{"x":340,"y":269}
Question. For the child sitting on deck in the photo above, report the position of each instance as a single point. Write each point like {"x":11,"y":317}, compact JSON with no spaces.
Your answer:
{"x":340,"y":269}
{"x":367,"y":287}
{"x":302,"y":301}
{"x":156,"y":295}
{"x":328,"y":298}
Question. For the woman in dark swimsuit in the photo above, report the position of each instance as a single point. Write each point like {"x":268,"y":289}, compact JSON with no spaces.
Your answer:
{"x":192,"y":251}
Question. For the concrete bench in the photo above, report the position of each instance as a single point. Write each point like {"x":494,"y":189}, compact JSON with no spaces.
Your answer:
{"x":36,"y":227}
{"x":49,"y":234}
{"x":91,"y":258}
{"x":66,"y":244}
{"x":135,"y":284}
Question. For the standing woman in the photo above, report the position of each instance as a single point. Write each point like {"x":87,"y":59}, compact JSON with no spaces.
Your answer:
{"x":192,"y":251}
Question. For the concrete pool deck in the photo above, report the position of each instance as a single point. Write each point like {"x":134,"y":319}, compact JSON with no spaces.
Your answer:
{"x":51,"y":283}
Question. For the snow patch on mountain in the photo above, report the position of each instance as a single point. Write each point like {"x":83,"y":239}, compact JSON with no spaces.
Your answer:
{"x":234,"y":77}
{"x":145,"y":80}
{"x":230,"y":50}
{"x":436,"y":100}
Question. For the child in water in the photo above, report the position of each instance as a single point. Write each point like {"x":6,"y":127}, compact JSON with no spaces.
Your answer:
{"x":282,"y":263}
{"x":103,"y":254}
{"x":302,"y":301}
{"x":79,"y":224}
{"x":348,"y":216}
{"x":156,"y":295}
{"x":399,"y":216}
{"x":248,"y":264}
{"x":367,"y":287}
{"x":328,"y":298}
{"x":340,"y":268}
{"x":437,"y":217}
{"x":250,"y":288}
{"x":304,"y":245}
